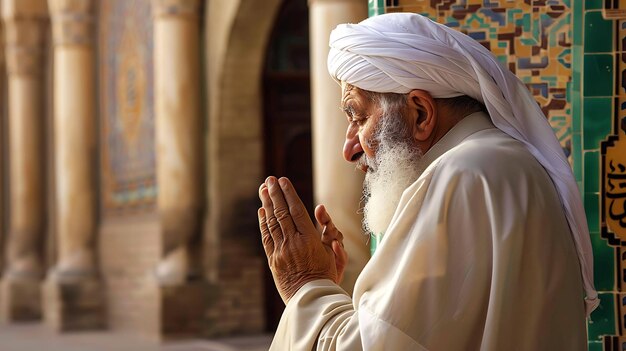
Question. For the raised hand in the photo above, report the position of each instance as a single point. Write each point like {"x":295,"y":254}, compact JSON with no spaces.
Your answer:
{"x":293,"y":246}
{"x":332,"y":237}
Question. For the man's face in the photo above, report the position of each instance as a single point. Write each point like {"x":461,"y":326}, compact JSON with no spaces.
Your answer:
{"x":381,"y":144}
{"x":363,"y":116}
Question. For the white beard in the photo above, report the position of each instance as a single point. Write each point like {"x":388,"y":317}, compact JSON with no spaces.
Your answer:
{"x":394,"y":168}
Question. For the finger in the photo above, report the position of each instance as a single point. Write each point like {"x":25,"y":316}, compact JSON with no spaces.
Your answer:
{"x":266,"y":237}
{"x":340,"y":251}
{"x":263,"y":186}
{"x":281,"y":209}
{"x":329,"y":230}
{"x":323,"y":219}
{"x":329,"y":233}
{"x":321,"y":215}
{"x":272,"y":222}
{"x":300,"y":217}
{"x":341,"y":259}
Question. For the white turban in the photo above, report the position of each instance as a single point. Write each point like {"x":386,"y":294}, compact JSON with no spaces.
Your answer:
{"x":399,"y":52}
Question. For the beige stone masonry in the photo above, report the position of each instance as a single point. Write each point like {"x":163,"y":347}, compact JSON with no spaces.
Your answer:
{"x":73,"y":298}
{"x":75,"y":146}
{"x":72,"y":22}
{"x":25,"y":24}
{"x":178,"y":133}
{"x":20,"y":300}
{"x":3,"y":145}
{"x":176,"y":8}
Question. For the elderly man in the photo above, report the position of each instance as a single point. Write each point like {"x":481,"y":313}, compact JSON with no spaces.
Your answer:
{"x":484,"y":239}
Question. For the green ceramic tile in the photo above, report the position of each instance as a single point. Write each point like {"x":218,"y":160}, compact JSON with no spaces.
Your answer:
{"x":602,"y":320}
{"x":577,"y":156}
{"x":575,"y":100}
{"x":592,"y":171}
{"x":598,"y":33}
{"x":594,"y":346}
{"x":375,"y":7}
{"x":597,"y":115}
{"x":593,"y":4}
{"x":598,"y":75}
{"x":592,"y":209}
{"x":577,"y":86}
{"x":577,"y":67}
{"x":603,"y":263}
{"x":577,"y":23}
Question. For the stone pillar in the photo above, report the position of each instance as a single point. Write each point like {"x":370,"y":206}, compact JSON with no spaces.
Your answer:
{"x":336,"y":183}
{"x":3,"y":159}
{"x":72,"y":293}
{"x":178,"y":132}
{"x":25,"y":27}
{"x":179,"y":161}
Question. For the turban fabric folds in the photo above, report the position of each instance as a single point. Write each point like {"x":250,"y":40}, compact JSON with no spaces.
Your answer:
{"x":399,"y":52}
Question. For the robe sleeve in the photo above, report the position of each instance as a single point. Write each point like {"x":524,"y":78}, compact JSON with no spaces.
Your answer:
{"x":319,"y":310}
{"x":321,"y":317}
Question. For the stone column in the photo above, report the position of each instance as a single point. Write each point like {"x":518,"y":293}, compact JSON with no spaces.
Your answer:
{"x":3,"y":159}
{"x":179,"y":161}
{"x":178,"y":132}
{"x":73,"y":298}
{"x":25,"y":27}
{"x":336,"y":183}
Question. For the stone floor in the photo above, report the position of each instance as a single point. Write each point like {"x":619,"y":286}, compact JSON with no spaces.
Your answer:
{"x":34,"y":337}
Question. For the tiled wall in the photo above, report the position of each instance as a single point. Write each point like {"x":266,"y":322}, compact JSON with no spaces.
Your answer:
{"x":531,"y":37}
{"x":597,"y":97}
{"x":573,"y":60}
{"x":592,"y":102}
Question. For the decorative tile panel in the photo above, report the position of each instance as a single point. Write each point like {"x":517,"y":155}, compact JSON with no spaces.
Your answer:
{"x":128,"y":180}
{"x":614,"y":9}
{"x":598,"y":88}
{"x":532,"y":38}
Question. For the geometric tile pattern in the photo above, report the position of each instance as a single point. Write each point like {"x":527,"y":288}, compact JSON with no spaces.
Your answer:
{"x":125,"y":54}
{"x":595,"y":101}
{"x":612,"y":176}
{"x":532,"y":38}
{"x":614,"y":9}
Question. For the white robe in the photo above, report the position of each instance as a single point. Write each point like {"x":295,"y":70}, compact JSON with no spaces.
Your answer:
{"x":478,"y":256}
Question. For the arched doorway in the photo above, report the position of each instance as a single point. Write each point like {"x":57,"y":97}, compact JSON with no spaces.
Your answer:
{"x":287,"y":115}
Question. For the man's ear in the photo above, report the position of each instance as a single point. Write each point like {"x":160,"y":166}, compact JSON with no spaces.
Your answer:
{"x":423,"y":111}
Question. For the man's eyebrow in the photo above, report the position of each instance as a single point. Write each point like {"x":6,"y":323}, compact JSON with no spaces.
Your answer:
{"x":348,"y":108}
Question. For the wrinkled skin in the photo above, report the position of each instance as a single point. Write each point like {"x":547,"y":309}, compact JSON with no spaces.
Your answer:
{"x":296,"y":251}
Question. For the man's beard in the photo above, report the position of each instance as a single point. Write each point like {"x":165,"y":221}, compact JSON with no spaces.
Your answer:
{"x":390,"y":172}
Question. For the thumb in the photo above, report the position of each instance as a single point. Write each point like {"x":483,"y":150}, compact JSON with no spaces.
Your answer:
{"x":322,"y":216}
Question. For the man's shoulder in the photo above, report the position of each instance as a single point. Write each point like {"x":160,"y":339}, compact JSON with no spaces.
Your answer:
{"x":487,"y":150}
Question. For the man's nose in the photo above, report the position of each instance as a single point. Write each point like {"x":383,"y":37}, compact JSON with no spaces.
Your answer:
{"x":352,"y":147}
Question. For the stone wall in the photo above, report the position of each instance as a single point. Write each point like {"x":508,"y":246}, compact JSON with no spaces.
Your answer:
{"x":129,"y":251}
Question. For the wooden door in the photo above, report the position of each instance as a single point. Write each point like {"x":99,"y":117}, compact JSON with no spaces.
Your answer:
{"x":287,"y":116}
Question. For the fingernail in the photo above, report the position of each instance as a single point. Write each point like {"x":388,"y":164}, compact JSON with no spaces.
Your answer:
{"x":271,"y":181}
{"x":282,"y":182}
